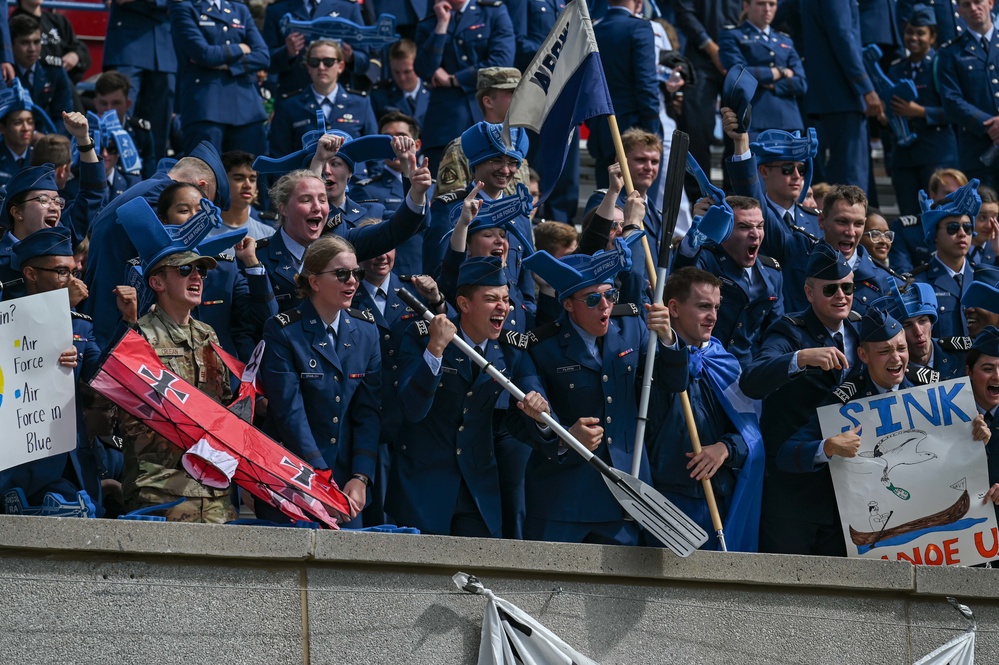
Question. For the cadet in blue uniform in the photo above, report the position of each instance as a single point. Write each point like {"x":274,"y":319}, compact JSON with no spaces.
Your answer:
{"x":48,"y":85}
{"x":453,"y":46}
{"x":628,"y":46}
{"x":111,"y":92}
{"x":138,"y":44}
{"x":948,"y":21}
{"x":286,"y":52}
{"x":445,"y":478}
{"x":46,"y":260}
{"x":751,"y":284}
{"x":841,"y":93}
{"x":344,"y":111}
{"x":804,"y":356}
{"x":532,"y":21}
{"x":910,"y":249}
{"x":981,"y":304}
{"x":949,"y":227}
{"x":970,"y":90}
{"x":930,"y":360}
{"x":589,"y":363}
{"x":321,"y":372}
{"x":222,"y":53}
{"x":301,"y":199}
{"x":404,"y":92}
{"x":111,"y":249}
{"x":493,"y":164}
{"x":842,"y":223}
{"x":407,"y":13}
{"x":693,"y":297}
{"x":771,"y":58}
{"x":801,"y":516}
{"x":388,"y":188}
{"x":935,"y":145}
{"x":983,"y":369}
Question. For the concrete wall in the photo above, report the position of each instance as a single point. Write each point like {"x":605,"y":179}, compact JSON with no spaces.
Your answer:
{"x":92,"y":591}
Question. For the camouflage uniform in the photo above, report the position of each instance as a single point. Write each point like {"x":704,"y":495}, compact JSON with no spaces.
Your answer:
{"x":153,"y":471}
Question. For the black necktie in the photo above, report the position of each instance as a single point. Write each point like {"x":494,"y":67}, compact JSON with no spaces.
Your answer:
{"x":838,"y":338}
{"x":988,"y":418}
{"x":959,"y":278}
{"x":985,"y":44}
{"x":789,"y":218}
{"x":332,"y":333}
{"x":26,"y":79}
{"x":20,"y":162}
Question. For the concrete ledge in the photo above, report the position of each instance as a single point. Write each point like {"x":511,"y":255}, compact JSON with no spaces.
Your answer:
{"x":959,"y":582}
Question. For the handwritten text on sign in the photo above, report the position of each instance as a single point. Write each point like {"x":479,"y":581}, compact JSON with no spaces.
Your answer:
{"x":37,"y":395}
{"x":915,"y":490}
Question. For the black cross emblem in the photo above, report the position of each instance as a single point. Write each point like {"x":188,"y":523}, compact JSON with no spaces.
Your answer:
{"x":304,"y":477}
{"x":161,"y":384}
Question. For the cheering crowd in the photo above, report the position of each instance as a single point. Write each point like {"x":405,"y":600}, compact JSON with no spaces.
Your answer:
{"x":333,"y":173}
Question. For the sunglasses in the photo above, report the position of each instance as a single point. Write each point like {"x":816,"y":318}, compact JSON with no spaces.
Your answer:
{"x":788,"y":169}
{"x":185,"y":271}
{"x":881,"y":236}
{"x":344,"y":274}
{"x":829,"y":290}
{"x":593,"y":299}
{"x":325,"y":62}
{"x":954,"y":227}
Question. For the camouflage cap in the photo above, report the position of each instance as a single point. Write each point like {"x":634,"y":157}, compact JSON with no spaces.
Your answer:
{"x":185,"y":259}
{"x":497,"y":78}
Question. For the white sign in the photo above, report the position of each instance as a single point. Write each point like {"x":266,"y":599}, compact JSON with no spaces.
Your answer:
{"x":37,"y":394}
{"x":915,"y":492}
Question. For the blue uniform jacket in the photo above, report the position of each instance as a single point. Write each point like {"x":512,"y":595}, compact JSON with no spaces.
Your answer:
{"x":295,"y":116}
{"x":51,"y":91}
{"x":291,"y":73}
{"x":879,"y":22}
{"x":532,"y":21}
{"x":8,"y":164}
{"x":701,"y":20}
{"x":970,"y":91}
{"x":236,"y":305}
{"x":324,"y":401}
{"x":450,"y":435}
{"x":390,"y":192}
{"x":565,"y":487}
{"x":948,"y":357}
{"x":832,"y":53}
{"x":742,"y":319}
{"x":627,"y":44}
{"x":121,"y":183}
{"x":138,"y":35}
{"x":950,"y":314}
{"x":748,"y":46}
{"x":219,"y":83}
{"x":388,"y":97}
{"x":935,"y":142}
{"x":481,"y":36}
{"x":909,"y":250}
{"x":368,"y":242}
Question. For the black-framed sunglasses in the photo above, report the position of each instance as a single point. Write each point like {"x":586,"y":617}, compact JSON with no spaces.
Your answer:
{"x":954,"y":227}
{"x":185,"y":271}
{"x":325,"y":62}
{"x":593,"y":299}
{"x":344,"y":274}
{"x":829,"y":290}
{"x":788,"y":169}
{"x":62,"y":272}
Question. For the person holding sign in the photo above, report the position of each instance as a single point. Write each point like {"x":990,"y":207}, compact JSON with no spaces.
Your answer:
{"x":983,"y":370}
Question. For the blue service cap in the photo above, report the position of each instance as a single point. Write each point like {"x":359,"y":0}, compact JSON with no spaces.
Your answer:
{"x":962,"y":201}
{"x":165,"y":164}
{"x":738,"y":91}
{"x":922,"y":15}
{"x":27,"y":179}
{"x":983,"y":292}
{"x":484,"y":140}
{"x":207,"y":153}
{"x":825,"y":262}
{"x":578,"y":271}
{"x":878,"y":326}
{"x":987,"y":341}
{"x":55,"y":241}
{"x":482,"y":271}
{"x":155,"y":242}
{"x":16,"y":98}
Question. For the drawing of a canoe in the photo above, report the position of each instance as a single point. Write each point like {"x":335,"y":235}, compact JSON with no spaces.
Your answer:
{"x":947,"y":516}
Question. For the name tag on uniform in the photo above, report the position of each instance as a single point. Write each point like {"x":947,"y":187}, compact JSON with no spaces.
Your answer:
{"x":566,"y":370}
{"x":169,"y":352}
{"x":311,"y":375}
{"x":206,"y":24}
{"x":283,"y":296}
{"x":302,"y":122}
{"x":449,"y":370}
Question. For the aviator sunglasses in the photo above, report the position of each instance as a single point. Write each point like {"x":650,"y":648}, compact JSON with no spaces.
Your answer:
{"x":829,"y":290}
{"x":593,"y":299}
{"x":344,"y":274}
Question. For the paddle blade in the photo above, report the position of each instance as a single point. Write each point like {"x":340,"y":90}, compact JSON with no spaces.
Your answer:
{"x":656,"y":514}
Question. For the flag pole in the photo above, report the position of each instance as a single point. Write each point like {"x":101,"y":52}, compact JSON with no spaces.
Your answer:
{"x":650,"y":265}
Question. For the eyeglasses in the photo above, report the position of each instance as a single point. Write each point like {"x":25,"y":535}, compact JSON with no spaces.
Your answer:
{"x":185,"y":271}
{"x":881,"y":236}
{"x":499,"y":162}
{"x":954,"y":227}
{"x":64,"y":273}
{"x":325,"y":62}
{"x":46,"y":200}
{"x":593,"y":299}
{"x":829,"y":290}
{"x":788,"y":169}
{"x":344,"y":274}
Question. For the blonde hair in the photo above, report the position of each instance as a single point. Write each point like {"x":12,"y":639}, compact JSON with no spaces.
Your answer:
{"x":280,"y":192}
